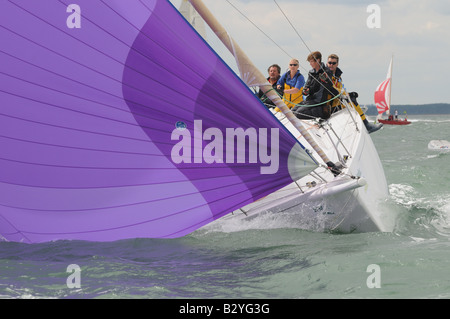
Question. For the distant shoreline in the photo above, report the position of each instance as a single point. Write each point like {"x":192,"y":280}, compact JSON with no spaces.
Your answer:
{"x":419,"y":109}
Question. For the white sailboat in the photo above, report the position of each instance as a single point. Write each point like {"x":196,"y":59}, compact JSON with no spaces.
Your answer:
{"x":320,"y":201}
{"x":383,"y":100}
{"x":122,"y":124}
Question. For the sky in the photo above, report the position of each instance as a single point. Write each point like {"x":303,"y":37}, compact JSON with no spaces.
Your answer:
{"x":416,"y":33}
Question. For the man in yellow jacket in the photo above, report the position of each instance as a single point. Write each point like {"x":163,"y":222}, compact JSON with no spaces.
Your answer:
{"x":333,"y":63}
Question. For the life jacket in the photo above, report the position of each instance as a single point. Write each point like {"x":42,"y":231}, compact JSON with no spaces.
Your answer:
{"x":292,"y":100}
{"x":337,"y":84}
{"x":336,"y":104}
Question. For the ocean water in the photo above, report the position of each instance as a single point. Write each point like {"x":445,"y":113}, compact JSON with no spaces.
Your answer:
{"x":269,"y":261}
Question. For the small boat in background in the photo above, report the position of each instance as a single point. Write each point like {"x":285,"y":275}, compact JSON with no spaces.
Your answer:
{"x":383,"y":101}
{"x":392,"y":121}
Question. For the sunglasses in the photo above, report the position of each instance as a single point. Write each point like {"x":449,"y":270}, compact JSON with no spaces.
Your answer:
{"x":332,"y":63}
{"x":293,"y":64}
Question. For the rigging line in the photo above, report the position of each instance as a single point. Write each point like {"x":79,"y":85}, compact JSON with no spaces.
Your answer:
{"x":289,"y":55}
{"x":301,"y":38}
{"x":292,"y":25}
{"x":276,"y":44}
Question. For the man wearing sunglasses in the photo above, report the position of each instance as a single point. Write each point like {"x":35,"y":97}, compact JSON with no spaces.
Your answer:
{"x":333,"y":63}
{"x":317,"y":88}
{"x":292,"y":83}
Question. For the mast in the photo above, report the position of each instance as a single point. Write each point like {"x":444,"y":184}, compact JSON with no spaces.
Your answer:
{"x":389,"y":76}
{"x":193,"y":18}
{"x":258,"y":77}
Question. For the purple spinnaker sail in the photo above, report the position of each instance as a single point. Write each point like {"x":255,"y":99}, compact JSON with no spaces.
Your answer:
{"x":97,"y":100}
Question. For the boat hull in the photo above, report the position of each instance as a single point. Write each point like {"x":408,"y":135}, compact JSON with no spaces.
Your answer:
{"x":347,"y":203}
{"x":394,"y":122}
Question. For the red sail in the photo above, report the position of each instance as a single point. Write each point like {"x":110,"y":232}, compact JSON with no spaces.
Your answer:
{"x":382,"y":96}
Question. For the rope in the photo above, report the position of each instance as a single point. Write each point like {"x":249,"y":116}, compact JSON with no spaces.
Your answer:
{"x":259,"y":29}
{"x":298,"y":34}
{"x":313,"y":105}
{"x":267,"y":36}
{"x":292,"y":26}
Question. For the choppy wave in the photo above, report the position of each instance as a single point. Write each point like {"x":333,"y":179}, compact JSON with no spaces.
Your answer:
{"x":429,"y":120}
{"x":421,"y":214}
